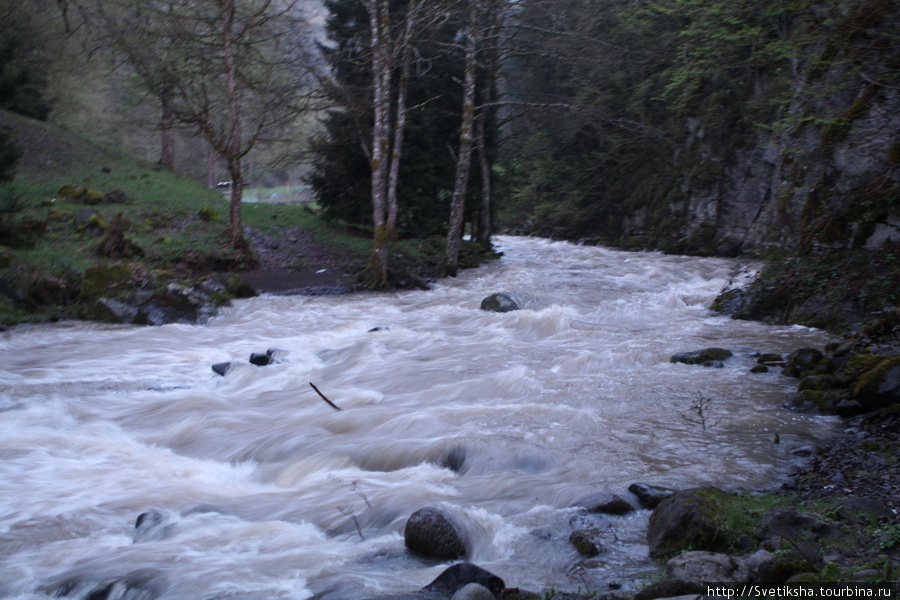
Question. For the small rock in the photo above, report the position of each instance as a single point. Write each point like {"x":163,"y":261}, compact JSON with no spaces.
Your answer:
{"x":670,"y":588}
{"x":697,"y":565}
{"x":605,"y":503}
{"x":501,"y":302}
{"x":260,"y":359}
{"x":585,"y":542}
{"x":221,"y":368}
{"x":755,"y":560}
{"x":433,"y":533}
{"x":710,"y":357}
{"x":150,"y":526}
{"x":649,"y":495}
{"x":768,"y":357}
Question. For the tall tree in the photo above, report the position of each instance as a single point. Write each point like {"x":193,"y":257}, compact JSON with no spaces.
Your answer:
{"x":466,"y":143}
{"x":238,"y":71}
{"x":420,"y":107}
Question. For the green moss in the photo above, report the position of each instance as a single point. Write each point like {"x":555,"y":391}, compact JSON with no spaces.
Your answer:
{"x":70,"y":191}
{"x":102,"y":280}
{"x":208,"y":213}
{"x":868,"y":389}
{"x":92,"y":197}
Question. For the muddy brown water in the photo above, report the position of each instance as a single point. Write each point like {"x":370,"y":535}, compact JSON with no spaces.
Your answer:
{"x":267,"y":492}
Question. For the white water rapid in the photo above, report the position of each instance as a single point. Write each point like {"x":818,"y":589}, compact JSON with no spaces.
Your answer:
{"x":266,"y":492}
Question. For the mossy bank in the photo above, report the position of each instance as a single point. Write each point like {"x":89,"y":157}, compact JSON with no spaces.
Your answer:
{"x":88,"y":232}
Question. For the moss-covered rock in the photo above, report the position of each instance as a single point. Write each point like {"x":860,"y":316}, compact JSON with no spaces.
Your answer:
{"x":105,"y":280}
{"x":208,"y":213}
{"x":689,"y":519}
{"x":238,"y":287}
{"x":70,"y":191}
{"x":880,"y":386}
{"x":92,"y":197}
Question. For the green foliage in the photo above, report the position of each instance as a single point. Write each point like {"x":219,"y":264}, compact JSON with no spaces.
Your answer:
{"x":652,"y":103}
{"x":23,"y":63}
{"x":10,"y":153}
{"x":341,"y":178}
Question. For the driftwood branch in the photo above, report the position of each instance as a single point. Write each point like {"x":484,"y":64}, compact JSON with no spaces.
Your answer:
{"x":322,"y":396}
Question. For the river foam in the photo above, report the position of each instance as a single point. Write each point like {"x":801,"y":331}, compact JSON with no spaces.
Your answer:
{"x":265,"y":491}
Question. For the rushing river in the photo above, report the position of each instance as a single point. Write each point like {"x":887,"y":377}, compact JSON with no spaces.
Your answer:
{"x":266,"y":492}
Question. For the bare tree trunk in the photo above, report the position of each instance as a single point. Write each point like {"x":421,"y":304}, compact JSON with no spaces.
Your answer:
{"x":483,"y":231}
{"x":167,"y":152}
{"x":379,"y":25}
{"x":405,"y":53}
{"x":235,"y":152}
{"x":211,"y":169}
{"x":485,"y":217}
{"x":464,"y":156}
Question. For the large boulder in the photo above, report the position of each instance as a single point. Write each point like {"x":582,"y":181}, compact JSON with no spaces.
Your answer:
{"x":687,"y":519}
{"x":460,"y":575}
{"x":708,"y":357}
{"x":502,"y":302}
{"x":433,"y":533}
{"x":802,"y":360}
{"x":880,"y":386}
{"x":707,"y":567}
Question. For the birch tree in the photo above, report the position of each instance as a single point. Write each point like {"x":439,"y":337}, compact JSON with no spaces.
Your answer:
{"x":466,"y":143}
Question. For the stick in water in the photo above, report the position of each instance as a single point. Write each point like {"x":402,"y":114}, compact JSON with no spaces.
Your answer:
{"x":321,"y":395}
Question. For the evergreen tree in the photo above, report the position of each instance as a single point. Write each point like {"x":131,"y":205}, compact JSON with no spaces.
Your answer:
{"x":341,"y":176}
{"x":23,"y":62}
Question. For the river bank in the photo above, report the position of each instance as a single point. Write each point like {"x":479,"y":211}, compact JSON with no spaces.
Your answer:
{"x":835,"y":519}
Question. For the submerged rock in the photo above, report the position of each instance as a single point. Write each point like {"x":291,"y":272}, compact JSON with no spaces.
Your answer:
{"x":270,"y":356}
{"x":221,"y":368}
{"x":502,"y":302}
{"x":605,"y":503}
{"x":462,"y":574}
{"x":649,"y":495}
{"x":585,"y":542}
{"x":431,"y":532}
{"x":709,"y":357}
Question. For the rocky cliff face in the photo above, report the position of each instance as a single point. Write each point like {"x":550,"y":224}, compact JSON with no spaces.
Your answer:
{"x":798,"y":188}
{"x":823,"y":173}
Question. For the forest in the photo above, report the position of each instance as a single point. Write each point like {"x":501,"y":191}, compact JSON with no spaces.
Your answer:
{"x":751,"y":128}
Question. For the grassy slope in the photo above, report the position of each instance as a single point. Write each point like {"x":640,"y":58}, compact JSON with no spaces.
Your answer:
{"x":43,"y":247}
{"x":178,"y":225}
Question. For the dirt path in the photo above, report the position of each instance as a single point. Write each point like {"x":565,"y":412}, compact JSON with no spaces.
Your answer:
{"x":292,"y":263}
